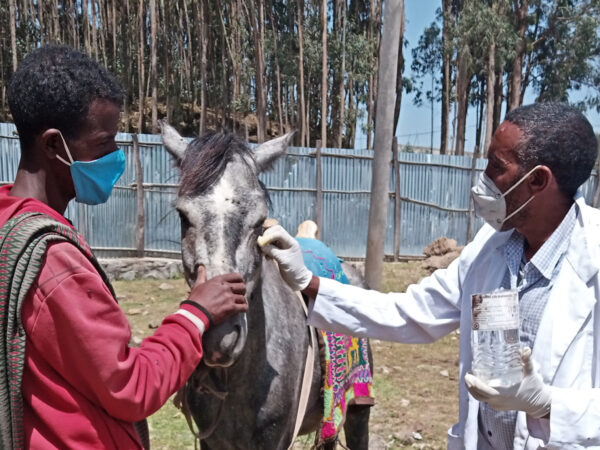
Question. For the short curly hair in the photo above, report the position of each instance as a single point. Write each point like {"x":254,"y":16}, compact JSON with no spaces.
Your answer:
{"x":558,"y":136}
{"x":53,"y":87}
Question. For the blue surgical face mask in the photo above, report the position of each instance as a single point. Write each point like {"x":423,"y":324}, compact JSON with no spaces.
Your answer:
{"x":94,"y":180}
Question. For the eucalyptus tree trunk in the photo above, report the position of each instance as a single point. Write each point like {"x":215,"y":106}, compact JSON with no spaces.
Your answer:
{"x":498,"y":89}
{"x":490,"y":90}
{"x":94,"y":43}
{"x":342,"y":78}
{"x":255,"y":18}
{"x":370,"y":105}
{"x":105,"y":24}
{"x":479,"y":118}
{"x":141,"y":69}
{"x":517,"y":66}
{"x":189,"y":57}
{"x":388,"y":65}
{"x":126,"y":57}
{"x":153,"y":66}
{"x":203,"y":62}
{"x":224,"y":89}
{"x":40,"y":17}
{"x":55,"y":23}
{"x":24,"y":20}
{"x":399,"y":70}
{"x":166,"y":56}
{"x":307,"y":121}
{"x":13,"y":33}
{"x":2,"y":84}
{"x":446,"y":77}
{"x":324,"y":74}
{"x":303,"y":112}
{"x":73,"y":23}
{"x":372,"y":36}
{"x":114,"y":32}
{"x":261,"y":95}
{"x":462,"y":99}
{"x":350,"y":134}
{"x":274,"y":27}
{"x":86,"y":26}
{"x":182,"y":75}
{"x":231,"y":41}
{"x":525,"y":79}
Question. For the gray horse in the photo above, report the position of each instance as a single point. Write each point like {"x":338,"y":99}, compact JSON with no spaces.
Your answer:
{"x":245,"y":393}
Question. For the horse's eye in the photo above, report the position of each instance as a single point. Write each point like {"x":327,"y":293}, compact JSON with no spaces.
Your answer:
{"x":184,"y":220}
{"x":257,"y":227}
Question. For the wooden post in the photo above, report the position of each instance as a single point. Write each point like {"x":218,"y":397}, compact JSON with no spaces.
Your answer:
{"x":596,"y":199}
{"x":397,"y":201}
{"x":139,"y":178}
{"x":471,"y":206}
{"x":319,"y":199}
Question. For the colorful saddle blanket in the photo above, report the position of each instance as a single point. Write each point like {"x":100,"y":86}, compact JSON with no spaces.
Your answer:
{"x":348,"y":379}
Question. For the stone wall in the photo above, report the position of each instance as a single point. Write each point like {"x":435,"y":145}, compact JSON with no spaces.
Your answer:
{"x":141,"y":268}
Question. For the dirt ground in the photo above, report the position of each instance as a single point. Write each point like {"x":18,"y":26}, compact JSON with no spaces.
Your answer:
{"x":415,"y":385}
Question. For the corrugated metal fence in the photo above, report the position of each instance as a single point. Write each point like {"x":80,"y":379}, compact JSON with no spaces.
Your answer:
{"x":434,"y":190}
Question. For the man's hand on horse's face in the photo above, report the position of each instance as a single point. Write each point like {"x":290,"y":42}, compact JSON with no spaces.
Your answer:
{"x":222,"y":296}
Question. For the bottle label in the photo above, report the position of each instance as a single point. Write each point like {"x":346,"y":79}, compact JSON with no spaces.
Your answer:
{"x":495,"y":311}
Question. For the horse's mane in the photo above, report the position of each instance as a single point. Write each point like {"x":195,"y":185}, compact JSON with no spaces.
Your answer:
{"x":206,"y":158}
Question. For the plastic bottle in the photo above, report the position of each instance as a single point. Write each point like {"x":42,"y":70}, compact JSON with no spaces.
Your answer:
{"x":495,"y":338}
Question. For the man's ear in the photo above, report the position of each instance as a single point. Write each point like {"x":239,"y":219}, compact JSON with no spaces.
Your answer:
{"x":51,"y":143}
{"x":541,"y":179}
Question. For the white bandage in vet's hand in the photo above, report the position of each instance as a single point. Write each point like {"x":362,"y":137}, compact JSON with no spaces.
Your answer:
{"x":531,"y":394}
{"x":283,"y":248}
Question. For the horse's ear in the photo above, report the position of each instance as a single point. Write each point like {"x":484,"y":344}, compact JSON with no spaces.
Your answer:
{"x":173,"y":141}
{"x":268,"y":152}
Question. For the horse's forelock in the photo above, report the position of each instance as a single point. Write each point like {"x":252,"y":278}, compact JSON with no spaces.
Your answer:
{"x":206,"y":158}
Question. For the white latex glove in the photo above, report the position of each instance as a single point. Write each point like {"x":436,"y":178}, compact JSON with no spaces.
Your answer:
{"x":283,"y":248}
{"x":530,"y":395}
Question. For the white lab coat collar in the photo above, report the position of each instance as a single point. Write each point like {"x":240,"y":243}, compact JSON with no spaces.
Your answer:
{"x":569,"y":304}
{"x":570,"y":301}
{"x":583,"y":249}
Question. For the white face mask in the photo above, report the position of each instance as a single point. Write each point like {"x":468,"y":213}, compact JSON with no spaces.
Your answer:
{"x":490,"y":203}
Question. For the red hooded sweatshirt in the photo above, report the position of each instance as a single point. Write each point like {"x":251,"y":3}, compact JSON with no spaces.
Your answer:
{"x":83,"y":386}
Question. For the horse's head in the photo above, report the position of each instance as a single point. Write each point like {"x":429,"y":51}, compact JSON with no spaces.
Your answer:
{"x":222,"y":206}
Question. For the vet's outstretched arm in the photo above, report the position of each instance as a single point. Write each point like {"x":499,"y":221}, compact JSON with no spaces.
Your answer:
{"x":425,"y":313}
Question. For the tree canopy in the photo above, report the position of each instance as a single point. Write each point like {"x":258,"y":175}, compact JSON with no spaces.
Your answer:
{"x":257,"y":67}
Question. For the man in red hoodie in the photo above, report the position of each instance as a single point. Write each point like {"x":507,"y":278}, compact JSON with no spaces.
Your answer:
{"x":82,"y":385}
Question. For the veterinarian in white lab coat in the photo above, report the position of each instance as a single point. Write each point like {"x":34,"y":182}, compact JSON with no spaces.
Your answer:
{"x":541,"y":239}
